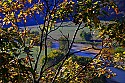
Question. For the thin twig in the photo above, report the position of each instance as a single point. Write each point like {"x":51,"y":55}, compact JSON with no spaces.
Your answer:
{"x":68,"y":80}
{"x":45,"y":47}
{"x":35,"y":67}
{"x":67,"y":55}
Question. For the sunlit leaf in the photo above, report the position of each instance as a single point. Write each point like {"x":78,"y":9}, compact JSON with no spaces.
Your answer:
{"x":30,"y":1}
{"x":9,"y":1}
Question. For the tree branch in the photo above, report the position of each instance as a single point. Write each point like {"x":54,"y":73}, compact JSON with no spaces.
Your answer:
{"x":66,"y":56}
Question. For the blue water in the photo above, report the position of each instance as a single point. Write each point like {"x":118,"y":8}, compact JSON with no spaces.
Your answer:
{"x":55,"y":45}
{"x":120,"y":73}
{"x":86,"y":54}
{"x":119,"y":78}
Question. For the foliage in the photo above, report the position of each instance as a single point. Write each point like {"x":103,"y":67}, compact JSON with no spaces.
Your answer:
{"x":53,"y":57}
{"x":35,"y":32}
{"x":81,"y":60}
{"x":71,"y":68}
{"x":63,"y":44}
{"x":113,"y":36}
{"x":119,"y":49}
{"x":86,"y":35}
{"x":12,"y":68}
{"x":14,"y":42}
{"x":49,"y":43}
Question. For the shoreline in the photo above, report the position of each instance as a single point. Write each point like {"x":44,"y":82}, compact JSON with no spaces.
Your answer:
{"x":83,"y":47}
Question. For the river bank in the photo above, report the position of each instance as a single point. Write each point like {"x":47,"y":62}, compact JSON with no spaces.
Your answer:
{"x":84,"y":47}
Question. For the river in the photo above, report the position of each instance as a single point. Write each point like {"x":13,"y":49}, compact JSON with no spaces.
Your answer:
{"x":120,"y":74}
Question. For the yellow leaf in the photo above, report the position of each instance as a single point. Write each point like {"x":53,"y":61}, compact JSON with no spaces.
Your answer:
{"x":35,"y":7}
{"x":108,"y":76}
{"x":0,"y":3}
{"x":96,"y":3}
{"x":10,"y":1}
{"x":89,"y":0}
{"x":15,"y":27}
{"x":92,"y":66}
{"x":4,"y":4}
{"x":12,"y":14}
{"x":25,"y":20}
{"x":124,"y":52}
{"x":31,"y":42}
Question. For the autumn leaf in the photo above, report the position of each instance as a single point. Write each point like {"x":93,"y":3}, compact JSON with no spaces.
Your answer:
{"x":0,"y":10}
{"x":65,"y":0}
{"x":15,"y":27}
{"x":0,"y":3}
{"x":9,"y":1}
{"x":31,"y":42}
{"x":27,"y":59}
{"x":116,"y":10}
{"x":30,"y":1}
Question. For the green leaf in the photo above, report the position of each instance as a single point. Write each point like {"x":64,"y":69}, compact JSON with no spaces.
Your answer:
{"x":9,"y":1}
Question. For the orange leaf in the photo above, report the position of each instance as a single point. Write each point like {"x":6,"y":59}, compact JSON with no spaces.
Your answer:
{"x":116,"y":10}
{"x":15,"y":26}
{"x":30,"y":1}
{"x":0,"y":10}
{"x":65,"y":0}
{"x":26,"y":59}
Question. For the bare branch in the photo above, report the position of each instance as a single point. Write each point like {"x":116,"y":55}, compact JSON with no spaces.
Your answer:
{"x":86,"y":64}
{"x":66,"y":56}
{"x":41,"y":45}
